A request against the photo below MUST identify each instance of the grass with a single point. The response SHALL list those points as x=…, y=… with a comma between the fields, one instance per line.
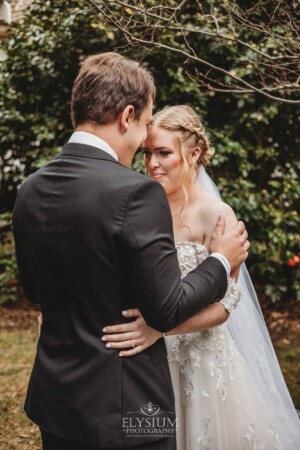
x=18, y=350
x=18, y=337
x=288, y=352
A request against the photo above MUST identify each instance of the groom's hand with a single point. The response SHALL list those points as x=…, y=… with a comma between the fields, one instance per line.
x=233, y=244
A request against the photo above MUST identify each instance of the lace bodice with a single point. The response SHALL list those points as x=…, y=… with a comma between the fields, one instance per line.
x=217, y=403
x=186, y=349
x=190, y=254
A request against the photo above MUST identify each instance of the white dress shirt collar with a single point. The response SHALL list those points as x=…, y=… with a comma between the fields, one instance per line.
x=82, y=137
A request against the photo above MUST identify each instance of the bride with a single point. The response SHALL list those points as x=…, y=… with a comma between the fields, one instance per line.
x=230, y=393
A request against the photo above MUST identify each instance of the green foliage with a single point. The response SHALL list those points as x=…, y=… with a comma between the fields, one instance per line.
x=8, y=265
x=256, y=141
x=256, y=167
x=43, y=56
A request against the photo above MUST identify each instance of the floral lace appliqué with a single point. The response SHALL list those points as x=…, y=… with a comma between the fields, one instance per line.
x=211, y=357
x=204, y=436
x=251, y=438
x=277, y=444
x=187, y=349
x=233, y=295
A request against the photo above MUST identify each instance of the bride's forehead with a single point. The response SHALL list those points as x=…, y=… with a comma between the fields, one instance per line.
x=159, y=137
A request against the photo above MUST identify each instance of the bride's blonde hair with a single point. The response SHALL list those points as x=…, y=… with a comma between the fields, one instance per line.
x=189, y=133
x=183, y=120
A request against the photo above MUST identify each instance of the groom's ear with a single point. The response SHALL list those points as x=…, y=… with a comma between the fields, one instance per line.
x=126, y=117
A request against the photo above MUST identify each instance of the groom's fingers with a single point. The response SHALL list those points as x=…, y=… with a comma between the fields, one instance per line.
x=240, y=228
x=220, y=226
x=244, y=236
x=247, y=245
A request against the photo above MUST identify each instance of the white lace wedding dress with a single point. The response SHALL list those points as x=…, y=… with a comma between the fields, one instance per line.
x=218, y=405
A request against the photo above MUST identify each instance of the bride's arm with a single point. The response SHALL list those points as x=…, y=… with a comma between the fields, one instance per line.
x=138, y=336
x=219, y=312
x=210, y=317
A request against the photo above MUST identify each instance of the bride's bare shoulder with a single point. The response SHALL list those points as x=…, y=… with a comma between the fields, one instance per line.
x=213, y=207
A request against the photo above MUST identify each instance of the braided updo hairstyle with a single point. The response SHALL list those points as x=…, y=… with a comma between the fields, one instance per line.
x=183, y=120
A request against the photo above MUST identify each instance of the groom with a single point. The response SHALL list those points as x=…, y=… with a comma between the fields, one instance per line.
x=94, y=238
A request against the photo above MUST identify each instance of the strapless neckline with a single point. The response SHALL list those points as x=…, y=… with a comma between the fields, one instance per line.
x=192, y=243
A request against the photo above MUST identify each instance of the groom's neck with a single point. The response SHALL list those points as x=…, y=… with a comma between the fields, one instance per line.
x=111, y=134
x=104, y=132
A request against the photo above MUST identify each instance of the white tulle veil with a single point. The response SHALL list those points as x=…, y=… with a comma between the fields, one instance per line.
x=249, y=331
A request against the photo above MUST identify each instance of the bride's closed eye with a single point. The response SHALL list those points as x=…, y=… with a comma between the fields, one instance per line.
x=165, y=153
x=148, y=154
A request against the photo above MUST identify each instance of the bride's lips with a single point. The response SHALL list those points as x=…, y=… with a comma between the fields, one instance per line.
x=156, y=175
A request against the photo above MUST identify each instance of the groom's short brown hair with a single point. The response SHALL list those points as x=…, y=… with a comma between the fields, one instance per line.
x=105, y=85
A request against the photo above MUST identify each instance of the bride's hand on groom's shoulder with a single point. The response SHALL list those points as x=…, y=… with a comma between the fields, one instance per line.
x=135, y=335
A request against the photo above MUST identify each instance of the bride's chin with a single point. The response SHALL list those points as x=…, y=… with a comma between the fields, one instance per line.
x=162, y=184
x=167, y=189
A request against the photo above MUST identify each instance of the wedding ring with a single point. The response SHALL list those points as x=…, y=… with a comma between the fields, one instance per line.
x=132, y=344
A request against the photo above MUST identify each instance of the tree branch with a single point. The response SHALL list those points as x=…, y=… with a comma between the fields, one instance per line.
x=280, y=69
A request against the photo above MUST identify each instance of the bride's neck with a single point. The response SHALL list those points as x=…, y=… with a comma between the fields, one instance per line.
x=177, y=199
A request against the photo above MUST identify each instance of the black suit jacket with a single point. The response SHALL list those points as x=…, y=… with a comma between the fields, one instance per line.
x=94, y=238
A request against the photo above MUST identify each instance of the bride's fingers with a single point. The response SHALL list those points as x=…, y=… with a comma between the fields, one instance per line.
x=119, y=337
x=133, y=351
x=121, y=328
x=124, y=344
x=124, y=327
x=40, y=323
x=131, y=313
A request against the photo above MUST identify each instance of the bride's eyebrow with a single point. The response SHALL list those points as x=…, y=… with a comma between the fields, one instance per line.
x=156, y=149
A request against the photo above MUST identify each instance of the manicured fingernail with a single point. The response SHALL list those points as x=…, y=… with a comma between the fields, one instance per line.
x=104, y=330
x=121, y=354
x=124, y=312
x=108, y=346
x=103, y=338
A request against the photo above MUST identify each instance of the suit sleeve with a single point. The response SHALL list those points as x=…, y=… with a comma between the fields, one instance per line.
x=26, y=276
x=152, y=267
x=28, y=281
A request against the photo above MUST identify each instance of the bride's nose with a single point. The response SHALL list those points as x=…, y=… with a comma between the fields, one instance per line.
x=153, y=163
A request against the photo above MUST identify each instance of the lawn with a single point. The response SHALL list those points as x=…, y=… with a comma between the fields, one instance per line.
x=18, y=338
